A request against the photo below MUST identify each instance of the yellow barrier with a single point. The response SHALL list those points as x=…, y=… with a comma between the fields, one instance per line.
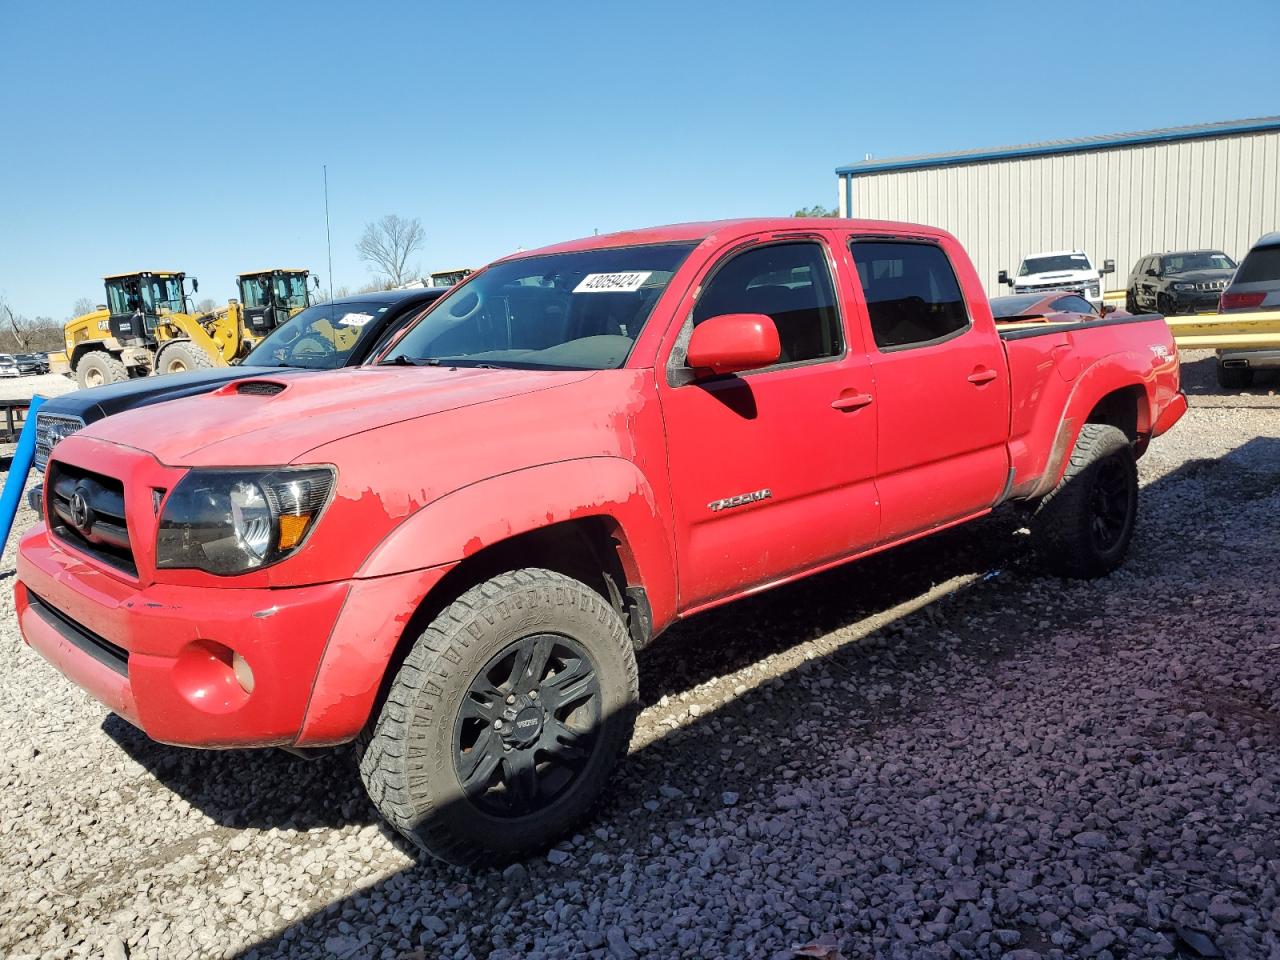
x=1256, y=329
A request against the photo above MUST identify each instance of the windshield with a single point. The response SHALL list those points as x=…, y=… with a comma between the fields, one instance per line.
x=1017, y=306
x=321, y=337
x=1055, y=264
x=1204, y=260
x=148, y=294
x=291, y=290
x=580, y=311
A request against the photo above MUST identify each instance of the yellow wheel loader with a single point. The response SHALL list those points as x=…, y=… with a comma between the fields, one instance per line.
x=147, y=326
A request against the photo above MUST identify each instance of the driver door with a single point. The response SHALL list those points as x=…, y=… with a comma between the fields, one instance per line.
x=772, y=470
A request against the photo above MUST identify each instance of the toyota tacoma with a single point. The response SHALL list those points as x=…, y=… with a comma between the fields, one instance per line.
x=450, y=558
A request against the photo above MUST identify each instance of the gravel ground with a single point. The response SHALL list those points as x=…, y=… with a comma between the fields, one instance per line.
x=45, y=384
x=933, y=753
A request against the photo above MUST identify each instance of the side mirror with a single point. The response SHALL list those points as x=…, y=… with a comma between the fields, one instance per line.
x=1108, y=309
x=1004, y=278
x=1152, y=272
x=195, y=285
x=1108, y=266
x=733, y=342
x=316, y=282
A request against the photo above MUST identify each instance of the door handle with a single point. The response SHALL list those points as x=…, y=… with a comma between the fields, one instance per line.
x=853, y=402
x=979, y=377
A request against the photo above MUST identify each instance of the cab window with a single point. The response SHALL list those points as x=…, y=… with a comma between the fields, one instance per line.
x=913, y=297
x=789, y=282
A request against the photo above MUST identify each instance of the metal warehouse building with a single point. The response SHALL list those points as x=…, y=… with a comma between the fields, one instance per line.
x=1116, y=197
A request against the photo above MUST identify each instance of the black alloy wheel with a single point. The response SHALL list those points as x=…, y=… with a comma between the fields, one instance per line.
x=527, y=727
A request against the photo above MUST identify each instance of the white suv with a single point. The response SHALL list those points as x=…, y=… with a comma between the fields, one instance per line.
x=1059, y=270
x=1255, y=286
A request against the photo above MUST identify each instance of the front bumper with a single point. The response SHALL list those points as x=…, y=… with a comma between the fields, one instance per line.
x=1194, y=301
x=160, y=655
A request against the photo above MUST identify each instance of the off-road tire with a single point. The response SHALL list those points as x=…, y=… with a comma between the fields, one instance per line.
x=100, y=364
x=406, y=754
x=1063, y=524
x=181, y=356
x=1233, y=378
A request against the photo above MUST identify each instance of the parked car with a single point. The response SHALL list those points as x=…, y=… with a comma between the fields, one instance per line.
x=339, y=333
x=1058, y=270
x=31, y=363
x=1173, y=283
x=1255, y=286
x=450, y=556
x=1050, y=308
x=9, y=366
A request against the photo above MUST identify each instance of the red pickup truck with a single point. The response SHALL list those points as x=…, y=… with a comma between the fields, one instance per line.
x=450, y=556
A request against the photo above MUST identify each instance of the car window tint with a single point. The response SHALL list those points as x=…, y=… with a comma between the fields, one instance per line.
x=1261, y=264
x=1073, y=304
x=912, y=294
x=791, y=283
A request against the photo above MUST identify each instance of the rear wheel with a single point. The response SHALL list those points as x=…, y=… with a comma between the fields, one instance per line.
x=502, y=726
x=99, y=367
x=1083, y=527
x=1234, y=378
x=180, y=356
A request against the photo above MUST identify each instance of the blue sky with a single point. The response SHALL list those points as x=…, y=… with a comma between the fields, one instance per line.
x=191, y=136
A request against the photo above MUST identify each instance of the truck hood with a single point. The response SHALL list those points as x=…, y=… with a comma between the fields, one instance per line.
x=230, y=427
x=94, y=403
x=1200, y=276
x=1058, y=276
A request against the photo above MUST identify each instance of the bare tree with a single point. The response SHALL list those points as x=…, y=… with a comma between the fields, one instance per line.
x=20, y=334
x=207, y=305
x=388, y=244
x=82, y=306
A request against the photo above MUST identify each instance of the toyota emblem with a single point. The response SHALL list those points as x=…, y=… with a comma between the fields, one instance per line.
x=79, y=510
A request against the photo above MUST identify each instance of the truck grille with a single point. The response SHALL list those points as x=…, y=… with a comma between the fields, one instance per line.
x=86, y=510
x=1038, y=287
x=50, y=428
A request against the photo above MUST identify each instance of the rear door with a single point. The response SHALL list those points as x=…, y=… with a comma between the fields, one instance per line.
x=942, y=390
x=772, y=470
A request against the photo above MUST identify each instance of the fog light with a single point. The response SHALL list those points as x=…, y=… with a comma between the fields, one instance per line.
x=243, y=674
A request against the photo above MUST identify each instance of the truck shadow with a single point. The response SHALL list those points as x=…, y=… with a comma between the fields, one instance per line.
x=1200, y=379
x=857, y=626
x=323, y=789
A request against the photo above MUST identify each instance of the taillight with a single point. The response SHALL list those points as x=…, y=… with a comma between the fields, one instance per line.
x=1241, y=301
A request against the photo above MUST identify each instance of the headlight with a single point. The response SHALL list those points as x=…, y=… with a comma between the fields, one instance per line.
x=233, y=521
x=1184, y=286
x=1094, y=290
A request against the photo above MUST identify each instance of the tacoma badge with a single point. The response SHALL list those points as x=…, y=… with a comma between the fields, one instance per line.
x=741, y=499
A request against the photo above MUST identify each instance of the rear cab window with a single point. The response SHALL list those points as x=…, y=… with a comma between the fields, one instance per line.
x=913, y=297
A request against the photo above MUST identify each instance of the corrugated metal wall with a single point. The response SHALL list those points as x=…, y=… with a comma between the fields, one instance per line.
x=1119, y=203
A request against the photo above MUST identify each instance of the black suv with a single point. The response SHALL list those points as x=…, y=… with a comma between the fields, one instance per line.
x=1172, y=283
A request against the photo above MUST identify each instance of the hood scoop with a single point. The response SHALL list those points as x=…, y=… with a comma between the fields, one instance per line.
x=258, y=388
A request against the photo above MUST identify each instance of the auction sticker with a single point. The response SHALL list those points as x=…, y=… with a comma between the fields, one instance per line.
x=355, y=319
x=613, y=282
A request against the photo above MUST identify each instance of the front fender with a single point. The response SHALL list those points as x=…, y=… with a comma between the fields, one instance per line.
x=460, y=524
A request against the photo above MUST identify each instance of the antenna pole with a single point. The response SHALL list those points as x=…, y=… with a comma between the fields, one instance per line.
x=327, y=238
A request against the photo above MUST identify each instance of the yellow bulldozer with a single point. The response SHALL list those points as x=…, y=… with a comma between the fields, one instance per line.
x=147, y=325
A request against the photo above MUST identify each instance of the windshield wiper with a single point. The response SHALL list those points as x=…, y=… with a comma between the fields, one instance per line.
x=403, y=361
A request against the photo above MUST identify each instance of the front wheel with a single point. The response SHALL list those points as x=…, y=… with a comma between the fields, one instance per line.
x=501, y=727
x=1083, y=527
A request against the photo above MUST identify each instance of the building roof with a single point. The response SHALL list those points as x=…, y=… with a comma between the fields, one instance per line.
x=1197, y=131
